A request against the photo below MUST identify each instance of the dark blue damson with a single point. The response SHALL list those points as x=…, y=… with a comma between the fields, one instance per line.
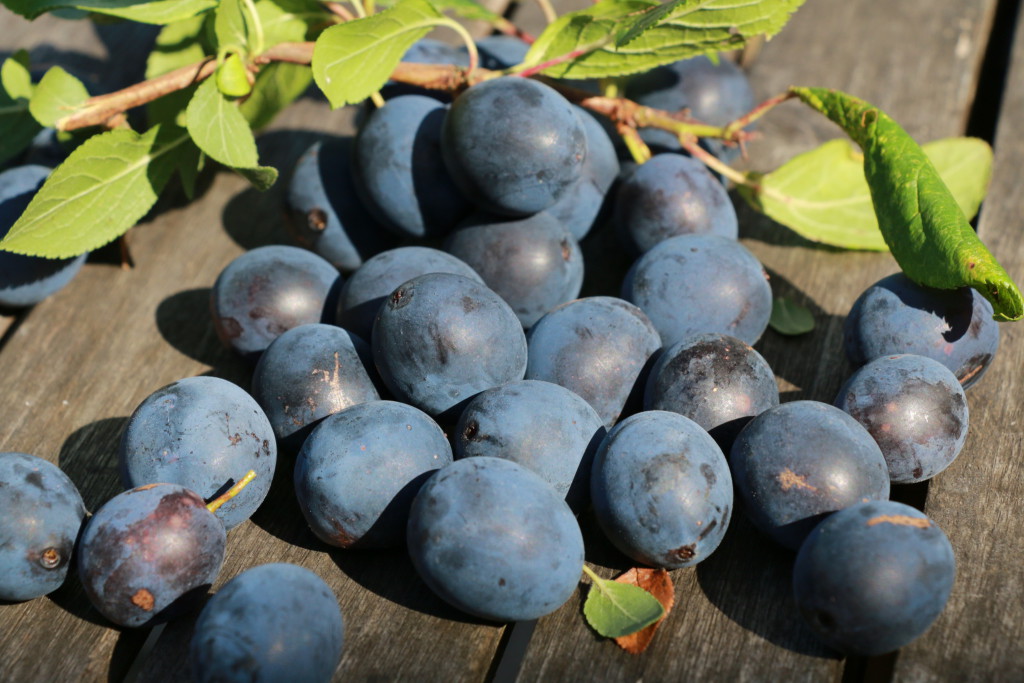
x=41, y=513
x=661, y=490
x=513, y=145
x=495, y=540
x=274, y=622
x=800, y=461
x=873, y=577
x=358, y=471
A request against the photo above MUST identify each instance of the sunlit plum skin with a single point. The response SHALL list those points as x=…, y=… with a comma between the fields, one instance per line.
x=359, y=470
x=266, y=291
x=325, y=213
x=495, y=540
x=542, y=426
x=513, y=145
x=367, y=288
x=896, y=316
x=149, y=554
x=698, y=284
x=915, y=409
x=873, y=577
x=661, y=490
x=597, y=347
x=533, y=263
x=798, y=462
x=715, y=380
x=399, y=171
x=581, y=206
x=203, y=433
x=308, y=373
x=41, y=513
x=274, y=622
x=27, y=280
x=440, y=339
x=672, y=195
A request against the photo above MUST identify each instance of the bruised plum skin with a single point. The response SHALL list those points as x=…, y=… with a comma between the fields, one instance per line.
x=274, y=622
x=952, y=326
x=41, y=513
x=873, y=577
x=597, y=347
x=798, y=462
x=915, y=409
x=495, y=540
x=149, y=554
x=440, y=339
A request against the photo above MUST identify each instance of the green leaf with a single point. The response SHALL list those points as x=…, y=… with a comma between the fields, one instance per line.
x=231, y=25
x=790, y=318
x=468, y=9
x=621, y=37
x=926, y=230
x=616, y=609
x=100, y=191
x=219, y=129
x=823, y=196
x=177, y=45
x=17, y=126
x=15, y=76
x=290, y=21
x=158, y=12
x=233, y=77
x=57, y=95
x=277, y=85
x=351, y=61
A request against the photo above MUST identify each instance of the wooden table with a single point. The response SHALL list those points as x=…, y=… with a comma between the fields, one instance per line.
x=74, y=367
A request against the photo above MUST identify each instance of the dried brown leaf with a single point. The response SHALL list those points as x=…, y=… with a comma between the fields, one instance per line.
x=658, y=583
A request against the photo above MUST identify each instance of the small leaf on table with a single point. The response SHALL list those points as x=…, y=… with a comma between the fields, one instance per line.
x=658, y=583
x=789, y=317
x=618, y=609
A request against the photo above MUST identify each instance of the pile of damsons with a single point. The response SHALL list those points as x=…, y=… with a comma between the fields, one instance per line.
x=464, y=402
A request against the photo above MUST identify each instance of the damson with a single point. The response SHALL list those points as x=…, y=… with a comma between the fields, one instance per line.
x=27, y=280
x=274, y=622
x=308, y=373
x=205, y=434
x=325, y=214
x=513, y=145
x=915, y=409
x=697, y=284
x=265, y=292
x=661, y=490
x=41, y=513
x=440, y=339
x=533, y=263
x=597, y=347
x=895, y=315
x=873, y=577
x=149, y=554
x=399, y=171
x=367, y=288
x=542, y=426
x=796, y=463
x=715, y=380
x=495, y=540
x=358, y=471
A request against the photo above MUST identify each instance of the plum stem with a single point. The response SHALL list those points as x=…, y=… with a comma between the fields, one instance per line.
x=217, y=502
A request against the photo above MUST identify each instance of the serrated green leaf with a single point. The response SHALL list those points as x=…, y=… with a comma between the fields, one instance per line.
x=103, y=188
x=231, y=25
x=177, y=45
x=156, y=12
x=622, y=37
x=790, y=318
x=233, y=77
x=823, y=196
x=617, y=609
x=351, y=61
x=467, y=9
x=277, y=85
x=219, y=129
x=15, y=76
x=290, y=21
x=926, y=230
x=57, y=95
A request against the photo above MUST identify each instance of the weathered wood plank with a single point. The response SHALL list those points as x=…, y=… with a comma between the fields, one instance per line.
x=977, y=501
x=734, y=618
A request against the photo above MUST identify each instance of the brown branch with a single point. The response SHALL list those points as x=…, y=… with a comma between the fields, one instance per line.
x=339, y=10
